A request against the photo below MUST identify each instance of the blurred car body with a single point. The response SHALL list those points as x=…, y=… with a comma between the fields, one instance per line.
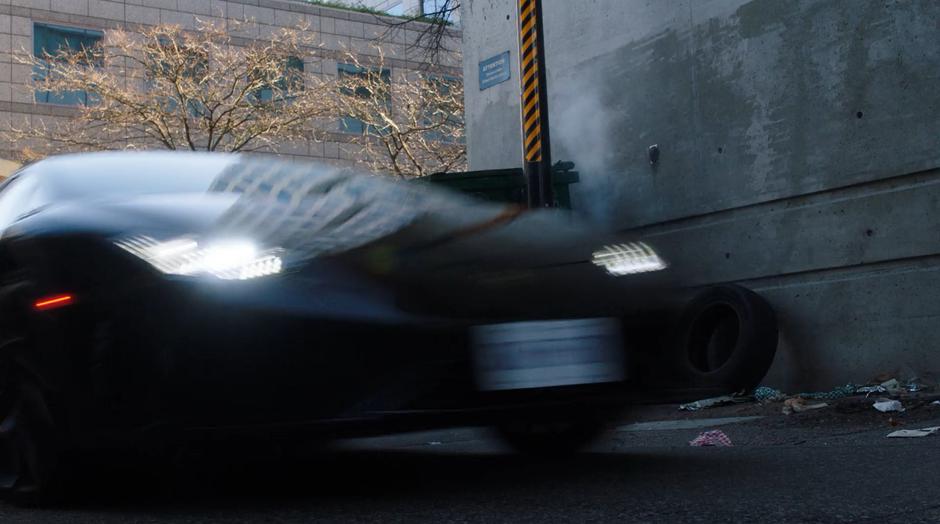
x=169, y=296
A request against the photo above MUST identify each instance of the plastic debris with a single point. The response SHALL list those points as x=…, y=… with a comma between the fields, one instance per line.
x=715, y=437
x=907, y=433
x=768, y=394
x=935, y=403
x=434, y=443
x=868, y=390
x=885, y=406
x=837, y=393
x=915, y=385
x=892, y=386
x=799, y=405
x=711, y=402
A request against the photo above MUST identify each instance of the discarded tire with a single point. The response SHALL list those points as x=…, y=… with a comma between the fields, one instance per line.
x=726, y=338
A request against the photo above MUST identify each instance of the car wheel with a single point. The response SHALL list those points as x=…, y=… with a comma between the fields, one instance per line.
x=31, y=464
x=32, y=469
x=550, y=436
x=726, y=338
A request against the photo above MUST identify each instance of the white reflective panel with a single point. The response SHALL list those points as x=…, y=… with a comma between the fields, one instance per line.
x=522, y=355
x=627, y=259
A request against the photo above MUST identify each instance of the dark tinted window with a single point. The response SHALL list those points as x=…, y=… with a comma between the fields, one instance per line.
x=349, y=124
x=53, y=39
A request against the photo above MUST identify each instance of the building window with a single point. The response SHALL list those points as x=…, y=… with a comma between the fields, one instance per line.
x=290, y=82
x=51, y=40
x=162, y=71
x=350, y=124
x=195, y=61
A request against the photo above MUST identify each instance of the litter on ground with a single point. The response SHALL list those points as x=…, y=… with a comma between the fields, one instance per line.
x=892, y=386
x=768, y=394
x=907, y=433
x=799, y=405
x=711, y=402
x=836, y=393
x=868, y=390
x=715, y=437
x=885, y=406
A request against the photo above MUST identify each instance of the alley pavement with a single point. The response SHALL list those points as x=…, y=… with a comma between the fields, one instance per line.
x=829, y=465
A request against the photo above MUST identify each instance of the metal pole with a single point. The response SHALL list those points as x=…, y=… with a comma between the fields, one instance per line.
x=535, y=138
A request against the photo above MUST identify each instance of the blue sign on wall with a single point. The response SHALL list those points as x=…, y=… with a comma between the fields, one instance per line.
x=494, y=70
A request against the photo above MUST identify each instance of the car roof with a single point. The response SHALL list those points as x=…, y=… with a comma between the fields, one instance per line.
x=132, y=161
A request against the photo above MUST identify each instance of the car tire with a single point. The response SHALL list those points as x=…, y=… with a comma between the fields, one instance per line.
x=35, y=469
x=726, y=338
x=546, y=437
x=32, y=467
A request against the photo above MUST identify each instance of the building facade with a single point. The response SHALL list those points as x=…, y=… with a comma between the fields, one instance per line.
x=31, y=25
x=799, y=154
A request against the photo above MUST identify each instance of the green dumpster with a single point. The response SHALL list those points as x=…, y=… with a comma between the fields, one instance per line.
x=506, y=185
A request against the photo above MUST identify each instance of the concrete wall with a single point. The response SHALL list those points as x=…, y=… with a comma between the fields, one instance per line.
x=336, y=30
x=800, y=155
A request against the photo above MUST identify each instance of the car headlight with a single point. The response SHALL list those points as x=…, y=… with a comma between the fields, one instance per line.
x=229, y=259
x=627, y=259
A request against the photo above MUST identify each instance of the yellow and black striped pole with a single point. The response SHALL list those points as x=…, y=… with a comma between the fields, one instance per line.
x=535, y=139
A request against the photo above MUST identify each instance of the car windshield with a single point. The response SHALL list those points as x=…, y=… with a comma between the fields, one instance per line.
x=108, y=176
x=313, y=208
x=103, y=176
x=319, y=208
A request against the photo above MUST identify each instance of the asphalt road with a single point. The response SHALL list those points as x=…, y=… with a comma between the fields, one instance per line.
x=802, y=468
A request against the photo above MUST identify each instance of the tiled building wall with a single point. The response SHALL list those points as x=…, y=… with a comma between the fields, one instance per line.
x=336, y=30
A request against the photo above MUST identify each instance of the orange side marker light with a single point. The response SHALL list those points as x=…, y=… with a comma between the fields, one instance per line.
x=53, y=302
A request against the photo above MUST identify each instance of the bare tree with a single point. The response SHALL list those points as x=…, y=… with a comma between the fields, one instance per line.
x=411, y=127
x=432, y=23
x=165, y=87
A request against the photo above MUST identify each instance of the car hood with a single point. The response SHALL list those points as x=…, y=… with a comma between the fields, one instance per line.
x=160, y=215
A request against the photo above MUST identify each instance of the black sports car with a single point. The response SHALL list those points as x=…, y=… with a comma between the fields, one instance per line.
x=163, y=297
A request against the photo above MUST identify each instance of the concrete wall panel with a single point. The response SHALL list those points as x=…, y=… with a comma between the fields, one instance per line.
x=494, y=136
x=799, y=142
x=848, y=326
x=872, y=223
